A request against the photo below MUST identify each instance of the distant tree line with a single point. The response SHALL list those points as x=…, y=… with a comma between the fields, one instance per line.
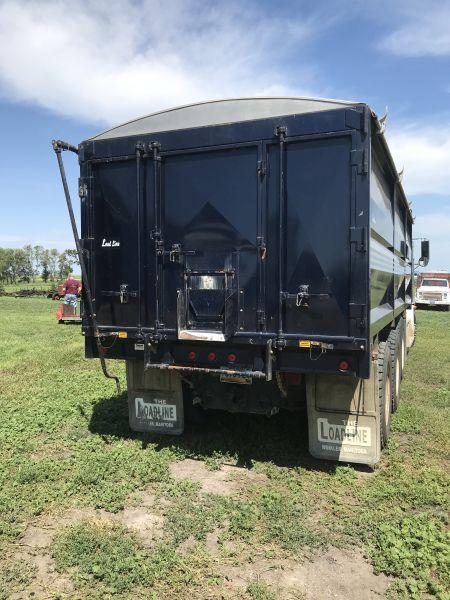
x=25, y=264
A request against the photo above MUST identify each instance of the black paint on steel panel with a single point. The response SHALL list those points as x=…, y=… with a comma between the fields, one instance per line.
x=233, y=133
x=228, y=206
x=211, y=211
x=115, y=221
x=316, y=239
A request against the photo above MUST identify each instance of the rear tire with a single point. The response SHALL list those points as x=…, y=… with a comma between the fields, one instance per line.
x=404, y=351
x=384, y=376
x=396, y=344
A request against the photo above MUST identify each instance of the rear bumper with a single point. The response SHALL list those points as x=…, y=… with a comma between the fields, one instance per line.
x=424, y=302
x=251, y=355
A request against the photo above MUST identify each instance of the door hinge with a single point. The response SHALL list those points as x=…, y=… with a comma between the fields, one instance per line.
x=262, y=247
x=87, y=244
x=155, y=147
x=260, y=316
x=82, y=188
x=358, y=237
x=280, y=131
x=155, y=235
x=359, y=159
x=262, y=169
x=358, y=312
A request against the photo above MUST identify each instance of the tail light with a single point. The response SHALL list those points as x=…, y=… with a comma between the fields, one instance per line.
x=192, y=355
x=232, y=358
x=212, y=356
x=343, y=365
x=292, y=378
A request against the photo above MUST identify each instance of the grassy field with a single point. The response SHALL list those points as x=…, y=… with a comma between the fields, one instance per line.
x=90, y=510
x=37, y=284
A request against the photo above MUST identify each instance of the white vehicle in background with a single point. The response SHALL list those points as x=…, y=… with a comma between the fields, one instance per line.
x=433, y=289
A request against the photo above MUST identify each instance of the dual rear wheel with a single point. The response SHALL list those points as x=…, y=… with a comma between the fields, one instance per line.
x=390, y=365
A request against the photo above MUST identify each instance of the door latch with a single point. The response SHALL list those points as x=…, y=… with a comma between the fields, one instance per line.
x=124, y=293
x=175, y=253
x=303, y=296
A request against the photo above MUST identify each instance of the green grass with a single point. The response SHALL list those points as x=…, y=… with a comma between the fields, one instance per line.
x=65, y=443
x=111, y=557
x=37, y=284
x=258, y=590
x=14, y=576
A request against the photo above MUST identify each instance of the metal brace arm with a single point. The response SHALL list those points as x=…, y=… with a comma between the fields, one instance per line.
x=59, y=146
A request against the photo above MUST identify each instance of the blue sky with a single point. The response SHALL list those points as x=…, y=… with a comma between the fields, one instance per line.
x=68, y=70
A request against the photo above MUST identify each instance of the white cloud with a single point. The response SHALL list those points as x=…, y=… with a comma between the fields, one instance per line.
x=424, y=151
x=108, y=61
x=436, y=223
x=425, y=30
x=6, y=238
x=10, y=241
x=434, y=226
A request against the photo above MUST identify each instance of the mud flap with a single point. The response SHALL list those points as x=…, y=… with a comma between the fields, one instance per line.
x=343, y=418
x=155, y=399
x=410, y=328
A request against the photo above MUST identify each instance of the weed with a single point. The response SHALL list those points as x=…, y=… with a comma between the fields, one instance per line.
x=259, y=590
x=195, y=516
x=111, y=555
x=415, y=549
x=66, y=442
x=14, y=577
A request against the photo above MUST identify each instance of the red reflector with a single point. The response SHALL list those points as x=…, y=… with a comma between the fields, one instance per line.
x=343, y=365
x=192, y=355
x=232, y=358
x=292, y=378
x=212, y=356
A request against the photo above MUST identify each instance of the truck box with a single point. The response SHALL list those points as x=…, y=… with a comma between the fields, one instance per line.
x=242, y=241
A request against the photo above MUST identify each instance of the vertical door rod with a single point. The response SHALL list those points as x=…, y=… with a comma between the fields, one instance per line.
x=281, y=132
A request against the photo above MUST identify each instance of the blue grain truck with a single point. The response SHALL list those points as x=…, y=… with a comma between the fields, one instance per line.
x=250, y=255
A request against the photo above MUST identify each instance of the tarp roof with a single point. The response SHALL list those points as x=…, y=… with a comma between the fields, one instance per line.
x=220, y=112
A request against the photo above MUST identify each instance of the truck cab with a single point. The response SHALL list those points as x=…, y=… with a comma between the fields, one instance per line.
x=434, y=291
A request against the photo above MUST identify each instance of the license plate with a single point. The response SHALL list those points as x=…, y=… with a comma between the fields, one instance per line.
x=155, y=412
x=236, y=379
x=432, y=301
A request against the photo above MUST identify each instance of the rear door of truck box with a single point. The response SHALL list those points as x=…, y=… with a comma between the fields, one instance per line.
x=115, y=229
x=317, y=251
x=178, y=222
x=204, y=258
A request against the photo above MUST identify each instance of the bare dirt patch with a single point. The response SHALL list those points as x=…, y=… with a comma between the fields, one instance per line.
x=47, y=582
x=226, y=481
x=35, y=542
x=335, y=575
x=148, y=526
x=141, y=519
